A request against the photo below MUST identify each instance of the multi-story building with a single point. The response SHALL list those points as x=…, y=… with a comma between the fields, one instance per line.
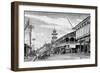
x=83, y=35
x=65, y=43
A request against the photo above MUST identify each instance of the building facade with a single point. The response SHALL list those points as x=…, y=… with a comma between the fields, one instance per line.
x=65, y=44
x=83, y=35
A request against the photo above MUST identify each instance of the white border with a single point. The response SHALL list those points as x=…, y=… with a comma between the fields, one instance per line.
x=23, y=64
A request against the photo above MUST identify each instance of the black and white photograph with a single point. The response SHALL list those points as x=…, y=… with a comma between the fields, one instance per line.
x=53, y=36
x=56, y=36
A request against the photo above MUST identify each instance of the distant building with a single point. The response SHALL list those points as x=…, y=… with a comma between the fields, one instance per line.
x=54, y=36
x=83, y=35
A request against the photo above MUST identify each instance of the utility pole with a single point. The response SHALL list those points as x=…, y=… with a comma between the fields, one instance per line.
x=30, y=27
x=30, y=33
x=25, y=29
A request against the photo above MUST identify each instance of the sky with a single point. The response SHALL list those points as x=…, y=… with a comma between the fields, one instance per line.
x=44, y=22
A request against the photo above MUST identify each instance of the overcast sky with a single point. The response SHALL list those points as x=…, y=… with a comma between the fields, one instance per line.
x=45, y=22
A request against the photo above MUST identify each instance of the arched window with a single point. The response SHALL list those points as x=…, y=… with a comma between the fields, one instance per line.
x=67, y=39
x=72, y=39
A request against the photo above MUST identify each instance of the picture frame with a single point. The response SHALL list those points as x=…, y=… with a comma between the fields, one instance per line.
x=76, y=48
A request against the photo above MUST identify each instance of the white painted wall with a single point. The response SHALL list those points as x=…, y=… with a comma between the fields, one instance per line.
x=5, y=37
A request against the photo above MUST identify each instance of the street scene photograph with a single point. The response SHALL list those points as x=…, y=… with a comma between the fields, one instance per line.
x=52, y=36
